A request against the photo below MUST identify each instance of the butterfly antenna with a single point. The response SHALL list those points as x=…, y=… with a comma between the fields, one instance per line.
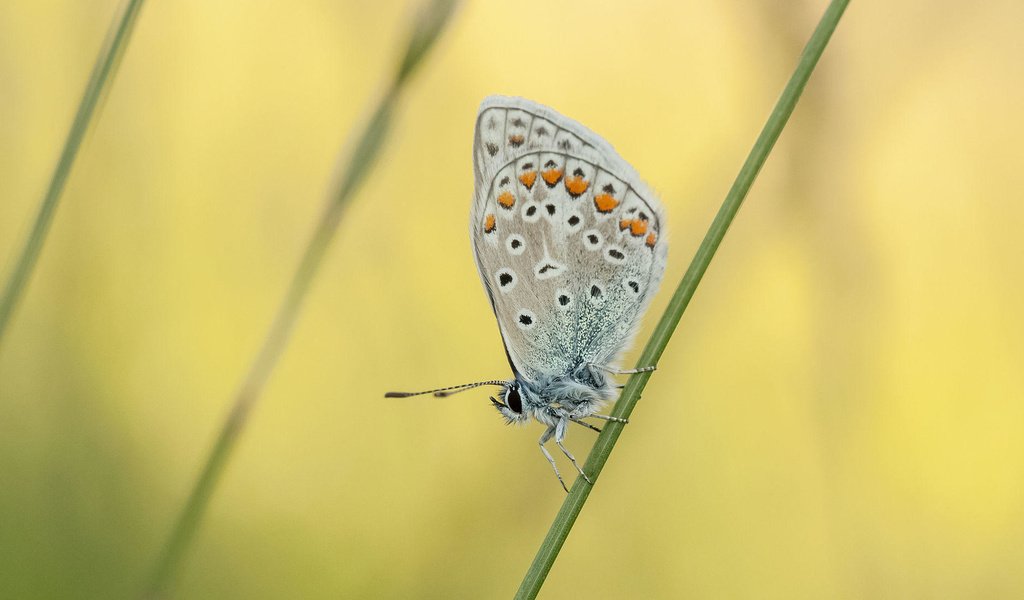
x=446, y=391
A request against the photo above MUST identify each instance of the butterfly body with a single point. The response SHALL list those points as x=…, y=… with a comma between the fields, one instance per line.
x=570, y=396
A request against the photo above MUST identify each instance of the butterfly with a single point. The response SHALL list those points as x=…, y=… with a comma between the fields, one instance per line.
x=570, y=246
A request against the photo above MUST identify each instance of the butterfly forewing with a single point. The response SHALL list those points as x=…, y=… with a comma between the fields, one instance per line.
x=566, y=237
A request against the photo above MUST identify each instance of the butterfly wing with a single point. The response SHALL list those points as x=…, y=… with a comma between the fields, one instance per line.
x=568, y=240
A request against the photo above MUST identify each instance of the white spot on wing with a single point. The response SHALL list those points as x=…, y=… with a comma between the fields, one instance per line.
x=531, y=212
x=547, y=267
x=592, y=239
x=552, y=212
x=563, y=299
x=506, y=280
x=526, y=320
x=615, y=255
x=515, y=244
x=573, y=221
x=632, y=287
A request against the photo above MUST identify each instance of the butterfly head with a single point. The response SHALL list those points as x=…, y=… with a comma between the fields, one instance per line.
x=514, y=403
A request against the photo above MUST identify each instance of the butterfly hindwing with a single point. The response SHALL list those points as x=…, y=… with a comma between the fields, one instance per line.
x=566, y=237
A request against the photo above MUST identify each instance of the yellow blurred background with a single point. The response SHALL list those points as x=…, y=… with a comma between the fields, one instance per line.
x=839, y=415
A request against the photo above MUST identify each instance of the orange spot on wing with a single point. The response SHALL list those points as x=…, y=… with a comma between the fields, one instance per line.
x=506, y=200
x=516, y=140
x=528, y=178
x=489, y=224
x=637, y=227
x=605, y=203
x=576, y=186
x=551, y=176
x=651, y=238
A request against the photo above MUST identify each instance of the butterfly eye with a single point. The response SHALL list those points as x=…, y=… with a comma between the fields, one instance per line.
x=514, y=401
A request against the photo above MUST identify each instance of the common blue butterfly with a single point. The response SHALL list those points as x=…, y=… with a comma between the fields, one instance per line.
x=570, y=245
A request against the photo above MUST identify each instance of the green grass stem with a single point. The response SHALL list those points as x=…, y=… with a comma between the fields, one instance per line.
x=429, y=25
x=570, y=510
x=103, y=73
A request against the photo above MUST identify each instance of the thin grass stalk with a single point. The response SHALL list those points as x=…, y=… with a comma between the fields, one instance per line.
x=574, y=502
x=430, y=24
x=102, y=76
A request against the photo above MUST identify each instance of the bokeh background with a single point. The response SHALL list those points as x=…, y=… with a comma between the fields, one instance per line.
x=839, y=415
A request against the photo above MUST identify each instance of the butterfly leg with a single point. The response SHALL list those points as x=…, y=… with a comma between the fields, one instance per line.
x=559, y=437
x=611, y=418
x=543, y=440
x=585, y=424
x=627, y=371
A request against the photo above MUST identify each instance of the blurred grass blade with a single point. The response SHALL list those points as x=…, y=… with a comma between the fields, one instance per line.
x=566, y=517
x=427, y=28
x=99, y=82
